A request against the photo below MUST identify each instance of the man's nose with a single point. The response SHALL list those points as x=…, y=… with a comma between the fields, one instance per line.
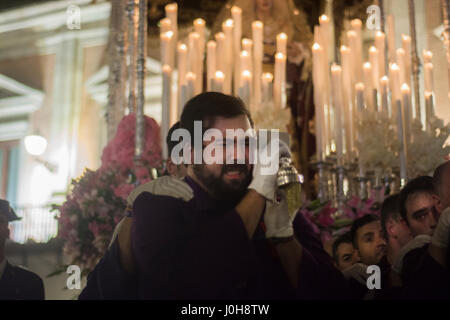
x=432, y=219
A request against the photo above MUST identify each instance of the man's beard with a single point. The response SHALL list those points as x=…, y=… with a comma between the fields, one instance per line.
x=234, y=190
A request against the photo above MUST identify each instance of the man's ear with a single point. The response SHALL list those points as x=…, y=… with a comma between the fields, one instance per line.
x=390, y=228
x=171, y=167
x=437, y=203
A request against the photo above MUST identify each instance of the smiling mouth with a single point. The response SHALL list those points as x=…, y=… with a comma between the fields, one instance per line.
x=234, y=174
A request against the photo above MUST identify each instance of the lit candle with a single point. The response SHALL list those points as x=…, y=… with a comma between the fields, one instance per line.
x=165, y=25
x=166, y=106
x=199, y=27
x=282, y=43
x=394, y=72
x=429, y=110
x=359, y=92
x=220, y=49
x=406, y=45
x=347, y=85
x=227, y=28
x=190, y=83
x=356, y=26
x=172, y=14
x=407, y=111
x=245, y=61
x=219, y=79
x=429, y=85
x=279, y=80
x=165, y=41
x=427, y=56
x=401, y=64
x=236, y=15
x=368, y=84
x=245, y=88
x=380, y=39
x=182, y=69
x=210, y=63
x=401, y=138
x=258, y=53
x=267, y=87
x=247, y=45
x=324, y=22
x=391, y=38
x=373, y=59
x=318, y=102
x=336, y=77
x=194, y=61
x=384, y=83
x=356, y=60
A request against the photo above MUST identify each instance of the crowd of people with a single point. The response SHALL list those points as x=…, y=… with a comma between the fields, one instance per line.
x=225, y=231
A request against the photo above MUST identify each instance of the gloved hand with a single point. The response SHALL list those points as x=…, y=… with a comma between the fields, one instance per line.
x=358, y=271
x=417, y=242
x=265, y=178
x=441, y=233
x=277, y=219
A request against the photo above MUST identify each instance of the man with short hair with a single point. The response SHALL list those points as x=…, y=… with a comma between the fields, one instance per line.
x=16, y=283
x=441, y=183
x=394, y=227
x=172, y=169
x=232, y=239
x=343, y=252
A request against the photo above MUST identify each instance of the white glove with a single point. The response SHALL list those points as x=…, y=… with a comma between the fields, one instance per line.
x=441, y=233
x=163, y=186
x=277, y=219
x=358, y=271
x=417, y=242
x=264, y=178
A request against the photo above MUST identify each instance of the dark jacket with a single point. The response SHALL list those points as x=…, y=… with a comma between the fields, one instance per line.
x=20, y=284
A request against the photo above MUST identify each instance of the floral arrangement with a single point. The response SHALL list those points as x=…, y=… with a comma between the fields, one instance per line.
x=426, y=150
x=97, y=200
x=328, y=221
x=268, y=117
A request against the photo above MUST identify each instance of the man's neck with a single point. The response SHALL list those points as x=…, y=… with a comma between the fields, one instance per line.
x=191, y=174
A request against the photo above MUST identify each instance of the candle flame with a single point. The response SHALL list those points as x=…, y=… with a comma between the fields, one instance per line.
x=345, y=49
x=229, y=22
x=166, y=22
x=220, y=36
x=283, y=36
x=394, y=67
x=405, y=37
x=367, y=65
x=257, y=24
x=427, y=53
x=373, y=49
x=279, y=55
x=336, y=68
x=359, y=86
x=316, y=46
x=199, y=22
x=190, y=76
x=182, y=47
x=211, y=44
x=171, y=7
x=401, y=51
x=166, y=68
x=236, y=10
x=323, y=18
x=244, y=53
x=246, y=41
x=384, y=80
x=246, y=74
x=219, y=74
x=356, y=23
x=351, y=34
x=267, y=76
x=379, y=34
x=405, y=88
x=428, y=94
x=167, y=35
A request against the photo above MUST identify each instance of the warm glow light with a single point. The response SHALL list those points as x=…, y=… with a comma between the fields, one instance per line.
x=394, y=67
x=219, y=75
x=244, y=53
x=236, y=10
x=373, y=49
x=35, y=144
x=323, y=18
x=229, y=22
x=367, y=65
x=246, y=74
x=279, y=55
x=199, y=22
x=351, y=34
x=379, y=34
x=316, y=46
x=283, y=36
x=384, y=80
x=182, y=47
x=268, y=76
x=405, y=88
x=345, y=49
x=359, y=86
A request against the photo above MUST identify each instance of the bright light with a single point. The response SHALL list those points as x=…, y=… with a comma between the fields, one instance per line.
x=35, y=145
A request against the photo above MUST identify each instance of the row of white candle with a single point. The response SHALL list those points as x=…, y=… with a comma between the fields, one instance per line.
x=358, y=86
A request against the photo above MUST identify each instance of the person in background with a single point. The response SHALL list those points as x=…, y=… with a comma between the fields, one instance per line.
x=343, y=252
x=16, y=283
x=394, y=227
x=172, y=169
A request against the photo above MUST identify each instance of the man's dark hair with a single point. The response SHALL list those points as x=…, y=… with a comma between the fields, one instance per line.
x=438, y=175
x=359, y=223
x=207, y=106
x=171, y=144
x=420, y=184
x=345, y=238
x=390, y=209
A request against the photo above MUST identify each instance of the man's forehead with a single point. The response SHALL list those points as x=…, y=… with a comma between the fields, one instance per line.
x=373, y=226
x=345, y=246
x=418, y=199
x=238, y=122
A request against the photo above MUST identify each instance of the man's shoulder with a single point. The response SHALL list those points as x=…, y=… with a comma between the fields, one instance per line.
x=23, y=273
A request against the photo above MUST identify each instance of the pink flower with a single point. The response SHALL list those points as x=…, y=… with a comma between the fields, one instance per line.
x=94, y=228
x=123, y=190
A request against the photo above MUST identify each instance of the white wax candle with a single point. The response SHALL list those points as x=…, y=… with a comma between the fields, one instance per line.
x=324, y=22
x=401, y=64
x=282, y=43
x=199, y=27
x=190, y=83
x=347, y=85
x=359, y=93
x=394, y=72
x=368, y=85
x=406, y=45
x=401, y=138
x=317, y=35
x=356, y=26
x=165, y=25
x=258, y=53
x=279, y=80
x=384, y=83
x=245, y=88
x=356, y=60
x=227, y=28
x=245, y=61
x=172, y=13
x=407, y=110
x=427, y=56
x=391, y=38
x=336, y=76
x=166, y=106
x=218, y=81
x=182, y=70
x=318, y=102
x=267, y=87
x=220, y=49
x=210, y=63
x=429, y=110
x=380, y=39
x=194, y=61
x=428, y=74
x=236, y=15
x=247, y=45
x=373, y=59
x=165, y=42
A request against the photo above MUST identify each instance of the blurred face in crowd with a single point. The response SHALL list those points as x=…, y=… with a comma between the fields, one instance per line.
x=370, y=242
x=345, y=256
x=179, y=171
x=226, y=181
x=421, y=213
x=443, y=200
x=399, y=231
